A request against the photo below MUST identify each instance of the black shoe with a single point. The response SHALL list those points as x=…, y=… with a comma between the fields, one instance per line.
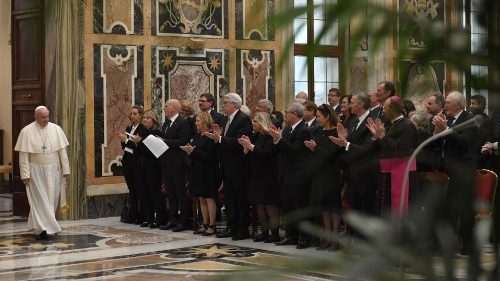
x=240, y=236
x=42, y=236
x=211, y=230
x=137, y=221
x=303, y=244
x=260, y=237
x=201, y=230
x=168, y=226
x=286, y=241
x=153, y=225
x=145, y=224
x=226, y=234
x=181, y=227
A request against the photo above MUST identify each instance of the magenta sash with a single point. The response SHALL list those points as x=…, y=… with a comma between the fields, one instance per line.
x=396, y=167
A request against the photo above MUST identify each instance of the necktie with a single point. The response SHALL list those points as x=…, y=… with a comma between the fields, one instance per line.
x=227, y=126
x=450, y=122
x=168, y=122
x=355, y=125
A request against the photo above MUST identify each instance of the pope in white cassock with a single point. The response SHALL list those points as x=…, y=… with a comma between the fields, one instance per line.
x=44, y=169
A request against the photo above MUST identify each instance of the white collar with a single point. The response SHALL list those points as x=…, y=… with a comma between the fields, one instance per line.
x=458, y=115
x=397, y=119
x=309, y=123
x=230, y=117
x=377, y=106
x=363, y=117
x=174, y=117
x=295, y=125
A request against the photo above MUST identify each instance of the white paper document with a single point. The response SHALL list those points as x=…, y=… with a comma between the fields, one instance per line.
x=155, y=145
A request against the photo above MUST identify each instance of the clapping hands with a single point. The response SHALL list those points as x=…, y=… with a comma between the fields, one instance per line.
x=275, y=133
x=188, y=148
x=342, y=136
x=215, y=134
x=246, y=143
x=440, y=123
x=376, y=127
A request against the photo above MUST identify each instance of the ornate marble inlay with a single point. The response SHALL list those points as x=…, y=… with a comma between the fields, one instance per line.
x=200, y=18
x=185, y=74
x=422, y=11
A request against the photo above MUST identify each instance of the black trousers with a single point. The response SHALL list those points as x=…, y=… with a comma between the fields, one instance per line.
x=236, y=202
x=152, y=201
x=178, y=200
x=296, y=199
x=131, y=173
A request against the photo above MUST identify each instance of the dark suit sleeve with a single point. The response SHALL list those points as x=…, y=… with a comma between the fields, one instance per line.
x=184, y=135
x=245, y=128
x=404, y=138
x=462, y=139
x=298, y=143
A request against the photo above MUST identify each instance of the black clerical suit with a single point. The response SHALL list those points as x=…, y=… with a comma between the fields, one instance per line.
x=130, y=164
x=234, y=173
x=175, y=134
x=295, y=172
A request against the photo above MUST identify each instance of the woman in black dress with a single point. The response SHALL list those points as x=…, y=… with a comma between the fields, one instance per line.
x=153, y=204
x=203, y=173
x=326, y=188
x=263, y=184
x=346, y=117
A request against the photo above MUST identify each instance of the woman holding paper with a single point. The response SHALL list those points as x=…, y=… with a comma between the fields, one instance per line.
x=203, y=174
x=153, y=204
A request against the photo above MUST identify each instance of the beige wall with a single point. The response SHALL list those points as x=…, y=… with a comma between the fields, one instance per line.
x=5, y=80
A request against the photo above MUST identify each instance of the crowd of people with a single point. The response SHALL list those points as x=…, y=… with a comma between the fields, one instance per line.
x=309, y=163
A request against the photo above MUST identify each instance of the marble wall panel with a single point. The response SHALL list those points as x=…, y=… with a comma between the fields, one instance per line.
x=430, y=10
x=359, y=75
x=252, y=19
x=183, y=73
x=255, y=76
x=118, y=85
x=118, y=16
x=105, y=205
x=190, y=18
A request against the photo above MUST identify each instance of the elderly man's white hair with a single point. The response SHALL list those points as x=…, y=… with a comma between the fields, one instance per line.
x=234, y=98
x=40, y=108
x=457, y=97
x=296, y=107
x=266, y=103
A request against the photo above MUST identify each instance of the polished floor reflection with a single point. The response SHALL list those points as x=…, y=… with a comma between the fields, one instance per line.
x=105, y=249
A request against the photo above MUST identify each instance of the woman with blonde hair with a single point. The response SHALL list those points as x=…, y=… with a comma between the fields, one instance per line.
x=202, y=152
x=263, y=186
x=150, y=174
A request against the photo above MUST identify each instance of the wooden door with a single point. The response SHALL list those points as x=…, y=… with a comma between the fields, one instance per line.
x=28, y=89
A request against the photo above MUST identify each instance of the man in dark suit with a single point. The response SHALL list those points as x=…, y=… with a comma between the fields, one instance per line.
x=176, y=132
x=310, y=110
x=295, y=171
x=206, y=103
x=459, y=163
x=129, y=164
x=334, y=98
x=235, y=125
x=385, y=90
x=361, y=165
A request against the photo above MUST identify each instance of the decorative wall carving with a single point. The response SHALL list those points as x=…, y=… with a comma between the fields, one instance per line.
x=118, y=86
x=118, y=16
x=185, y=74
x=422, y=81
x=421, y=11
x=255, y=78
x=190, y=18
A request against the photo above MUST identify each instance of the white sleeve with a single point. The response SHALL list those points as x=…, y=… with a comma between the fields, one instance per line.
x=63, y=157
x=24, y=165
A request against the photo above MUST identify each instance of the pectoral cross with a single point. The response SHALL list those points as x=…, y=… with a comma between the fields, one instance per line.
x=43, y=148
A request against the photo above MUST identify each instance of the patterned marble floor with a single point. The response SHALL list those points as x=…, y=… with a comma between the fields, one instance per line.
x=105, y=249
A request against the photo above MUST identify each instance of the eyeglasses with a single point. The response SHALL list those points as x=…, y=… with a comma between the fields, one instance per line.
x=202, y=101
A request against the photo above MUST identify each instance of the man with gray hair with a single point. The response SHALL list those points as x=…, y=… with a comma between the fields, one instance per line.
x=265, y=105
x=295, y=170
x=43, y=164
x=458, y=161
x=235, y=125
